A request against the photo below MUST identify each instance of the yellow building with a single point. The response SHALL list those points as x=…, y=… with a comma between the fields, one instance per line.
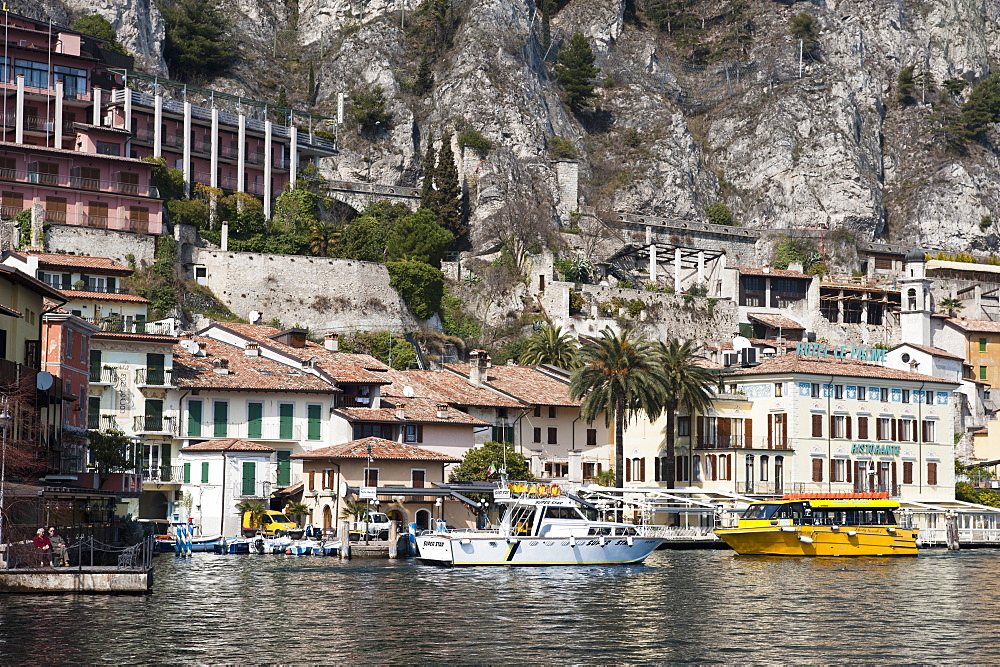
x=980, y=342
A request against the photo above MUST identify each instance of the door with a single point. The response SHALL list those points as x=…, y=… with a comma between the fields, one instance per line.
x=327, y=517
x=154, y=415
x=779, y=474
x=423, y=520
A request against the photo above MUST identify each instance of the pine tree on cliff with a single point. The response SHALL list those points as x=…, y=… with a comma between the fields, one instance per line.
x=441, y=190
x=575, y=72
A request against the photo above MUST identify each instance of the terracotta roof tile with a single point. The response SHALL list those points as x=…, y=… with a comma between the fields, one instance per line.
x=4, y=310
x=934, y=351
x=761, y=271
x=97, y=264
x=776, y=321
x=416, y=410
x=525, y=383
x=446, y=388
x=974, y=326
x=793, y=363
x=228, y=445
x=341, y=366
x=102, y=296
x=382, y=450
x=170, y=340
x=245, y=373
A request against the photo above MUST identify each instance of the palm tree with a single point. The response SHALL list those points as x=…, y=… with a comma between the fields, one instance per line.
x=550, y=345
x=355, y=509
x=952, y=305
x=621, y=377
x=257, y=511
x=297, y=510
x=686, y=385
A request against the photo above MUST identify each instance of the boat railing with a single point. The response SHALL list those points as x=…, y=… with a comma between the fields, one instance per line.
x=677, y=533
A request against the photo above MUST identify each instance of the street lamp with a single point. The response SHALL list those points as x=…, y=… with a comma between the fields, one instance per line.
x=5, y=421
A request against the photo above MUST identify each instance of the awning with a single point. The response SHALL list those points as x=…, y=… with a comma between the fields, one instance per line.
x=288, y=490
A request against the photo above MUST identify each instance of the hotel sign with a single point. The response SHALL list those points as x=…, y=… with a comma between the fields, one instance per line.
x=851, y=352
x=884, y=450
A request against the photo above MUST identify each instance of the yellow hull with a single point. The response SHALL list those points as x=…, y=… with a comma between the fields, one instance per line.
x=820, y=541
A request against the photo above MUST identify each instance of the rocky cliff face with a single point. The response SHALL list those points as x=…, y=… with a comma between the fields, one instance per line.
x=716, y=109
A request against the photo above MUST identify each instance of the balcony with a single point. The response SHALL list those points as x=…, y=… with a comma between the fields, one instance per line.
x=154, y=377
x=109, y=423
x=129, y=325
x=105, y=375
x=173, y=474
x=78, y=182
x=154, y=425
x=741, y=442
x=761, y=488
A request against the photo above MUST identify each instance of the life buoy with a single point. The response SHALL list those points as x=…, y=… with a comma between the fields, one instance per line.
x=555, y=490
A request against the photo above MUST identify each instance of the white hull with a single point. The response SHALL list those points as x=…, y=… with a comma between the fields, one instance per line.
x=469, y=549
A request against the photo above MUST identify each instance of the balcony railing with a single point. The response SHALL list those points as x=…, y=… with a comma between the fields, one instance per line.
x=163, y=474
x=78, y=182
x=109, y=423
x=149, y=424
x=93, y=420
x=761, y=488
x=741, y=442
x=128, y=325
x=154, y=377
x=104, y=375
x=267, y=430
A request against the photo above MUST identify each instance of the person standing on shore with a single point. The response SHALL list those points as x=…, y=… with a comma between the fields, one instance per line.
x=58, y=547
x=43, y=548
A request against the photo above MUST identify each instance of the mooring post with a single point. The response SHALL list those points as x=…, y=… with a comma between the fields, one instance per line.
x=345, y=539
x=393, y=539
x=951, y=532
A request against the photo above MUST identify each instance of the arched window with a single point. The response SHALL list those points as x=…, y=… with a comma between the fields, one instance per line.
x=696, y=468
x=423, y=519
x=911, y=299
x=327, y=517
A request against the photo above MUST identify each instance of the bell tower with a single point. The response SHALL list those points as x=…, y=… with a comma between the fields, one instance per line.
x=917, y=304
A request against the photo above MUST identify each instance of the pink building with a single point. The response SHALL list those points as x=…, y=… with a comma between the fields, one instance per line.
x=56, y=148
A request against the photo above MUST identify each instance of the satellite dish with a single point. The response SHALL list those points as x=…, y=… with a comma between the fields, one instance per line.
x=253, y=317
x=408, y=391
x=43, y=381
x=741, y=343
x=343, y=488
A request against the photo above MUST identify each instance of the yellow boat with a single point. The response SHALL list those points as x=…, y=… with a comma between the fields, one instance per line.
x=847, y=524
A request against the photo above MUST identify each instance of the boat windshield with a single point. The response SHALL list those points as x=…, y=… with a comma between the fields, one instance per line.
x=879, y=516
x=563, y=513
x=760, y=511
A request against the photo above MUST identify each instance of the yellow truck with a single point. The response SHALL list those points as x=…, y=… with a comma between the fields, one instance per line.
x=272, y=523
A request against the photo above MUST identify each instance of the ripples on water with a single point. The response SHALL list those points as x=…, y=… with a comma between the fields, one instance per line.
x=685, y=606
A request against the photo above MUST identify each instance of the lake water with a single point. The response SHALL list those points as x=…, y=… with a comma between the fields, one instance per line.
x=680, y=606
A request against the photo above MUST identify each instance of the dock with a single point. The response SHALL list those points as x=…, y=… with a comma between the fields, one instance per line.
x=88, y=580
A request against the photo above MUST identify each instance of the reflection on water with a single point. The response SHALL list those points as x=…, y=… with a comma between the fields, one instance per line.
x=699, y=606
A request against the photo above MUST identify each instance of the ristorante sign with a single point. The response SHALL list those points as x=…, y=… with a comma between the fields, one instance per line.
x=878, y=450
x=851, y=352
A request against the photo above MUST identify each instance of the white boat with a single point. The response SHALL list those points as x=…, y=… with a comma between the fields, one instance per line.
x=540, y=526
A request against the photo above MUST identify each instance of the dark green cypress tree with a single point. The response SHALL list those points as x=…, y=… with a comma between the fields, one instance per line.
x=575, y=71
x=448, y=190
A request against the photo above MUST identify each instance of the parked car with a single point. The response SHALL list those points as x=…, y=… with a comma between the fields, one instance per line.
x=376, y=526
x=273, y=523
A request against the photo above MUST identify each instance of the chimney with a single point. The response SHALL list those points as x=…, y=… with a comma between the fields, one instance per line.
x=201, y=350
x=766, y=268
x=331, y=341
x=442, y=411
x=252, y=349
x=221, y=366
x=479, y=361
x=400, y=411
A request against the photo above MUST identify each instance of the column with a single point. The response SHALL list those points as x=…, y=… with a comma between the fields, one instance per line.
x=864, y=307
x=293, y=155
x=128, y=108
x=59, y=115
x=767, y=291
x=241, y=156
x=187, y=148
x=840, y=307
x=158, y=126
x=677, y=270
x=97, y=106
x=214, y=176
x=268, y=147
x=701, y=268
x=649, y=234
x=652, y=260
x=19, y=111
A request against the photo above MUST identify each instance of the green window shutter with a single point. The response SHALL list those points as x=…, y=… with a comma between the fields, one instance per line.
x=249, y=478
x=93, y=412
x=154, y=369
x=982, y=372
x=95, y=365
x=255, y=416
x=67, y=281
x=154, y=414
x=194, y=419
x=204, y=472
x=285, y=413
x=315, y=422
x=187, y=473
x=221, y=418
x=284, y=468
x=112, y=285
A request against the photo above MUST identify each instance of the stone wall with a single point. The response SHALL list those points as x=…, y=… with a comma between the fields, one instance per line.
x=316, y=292
x=117, y=245
x=665, y=316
